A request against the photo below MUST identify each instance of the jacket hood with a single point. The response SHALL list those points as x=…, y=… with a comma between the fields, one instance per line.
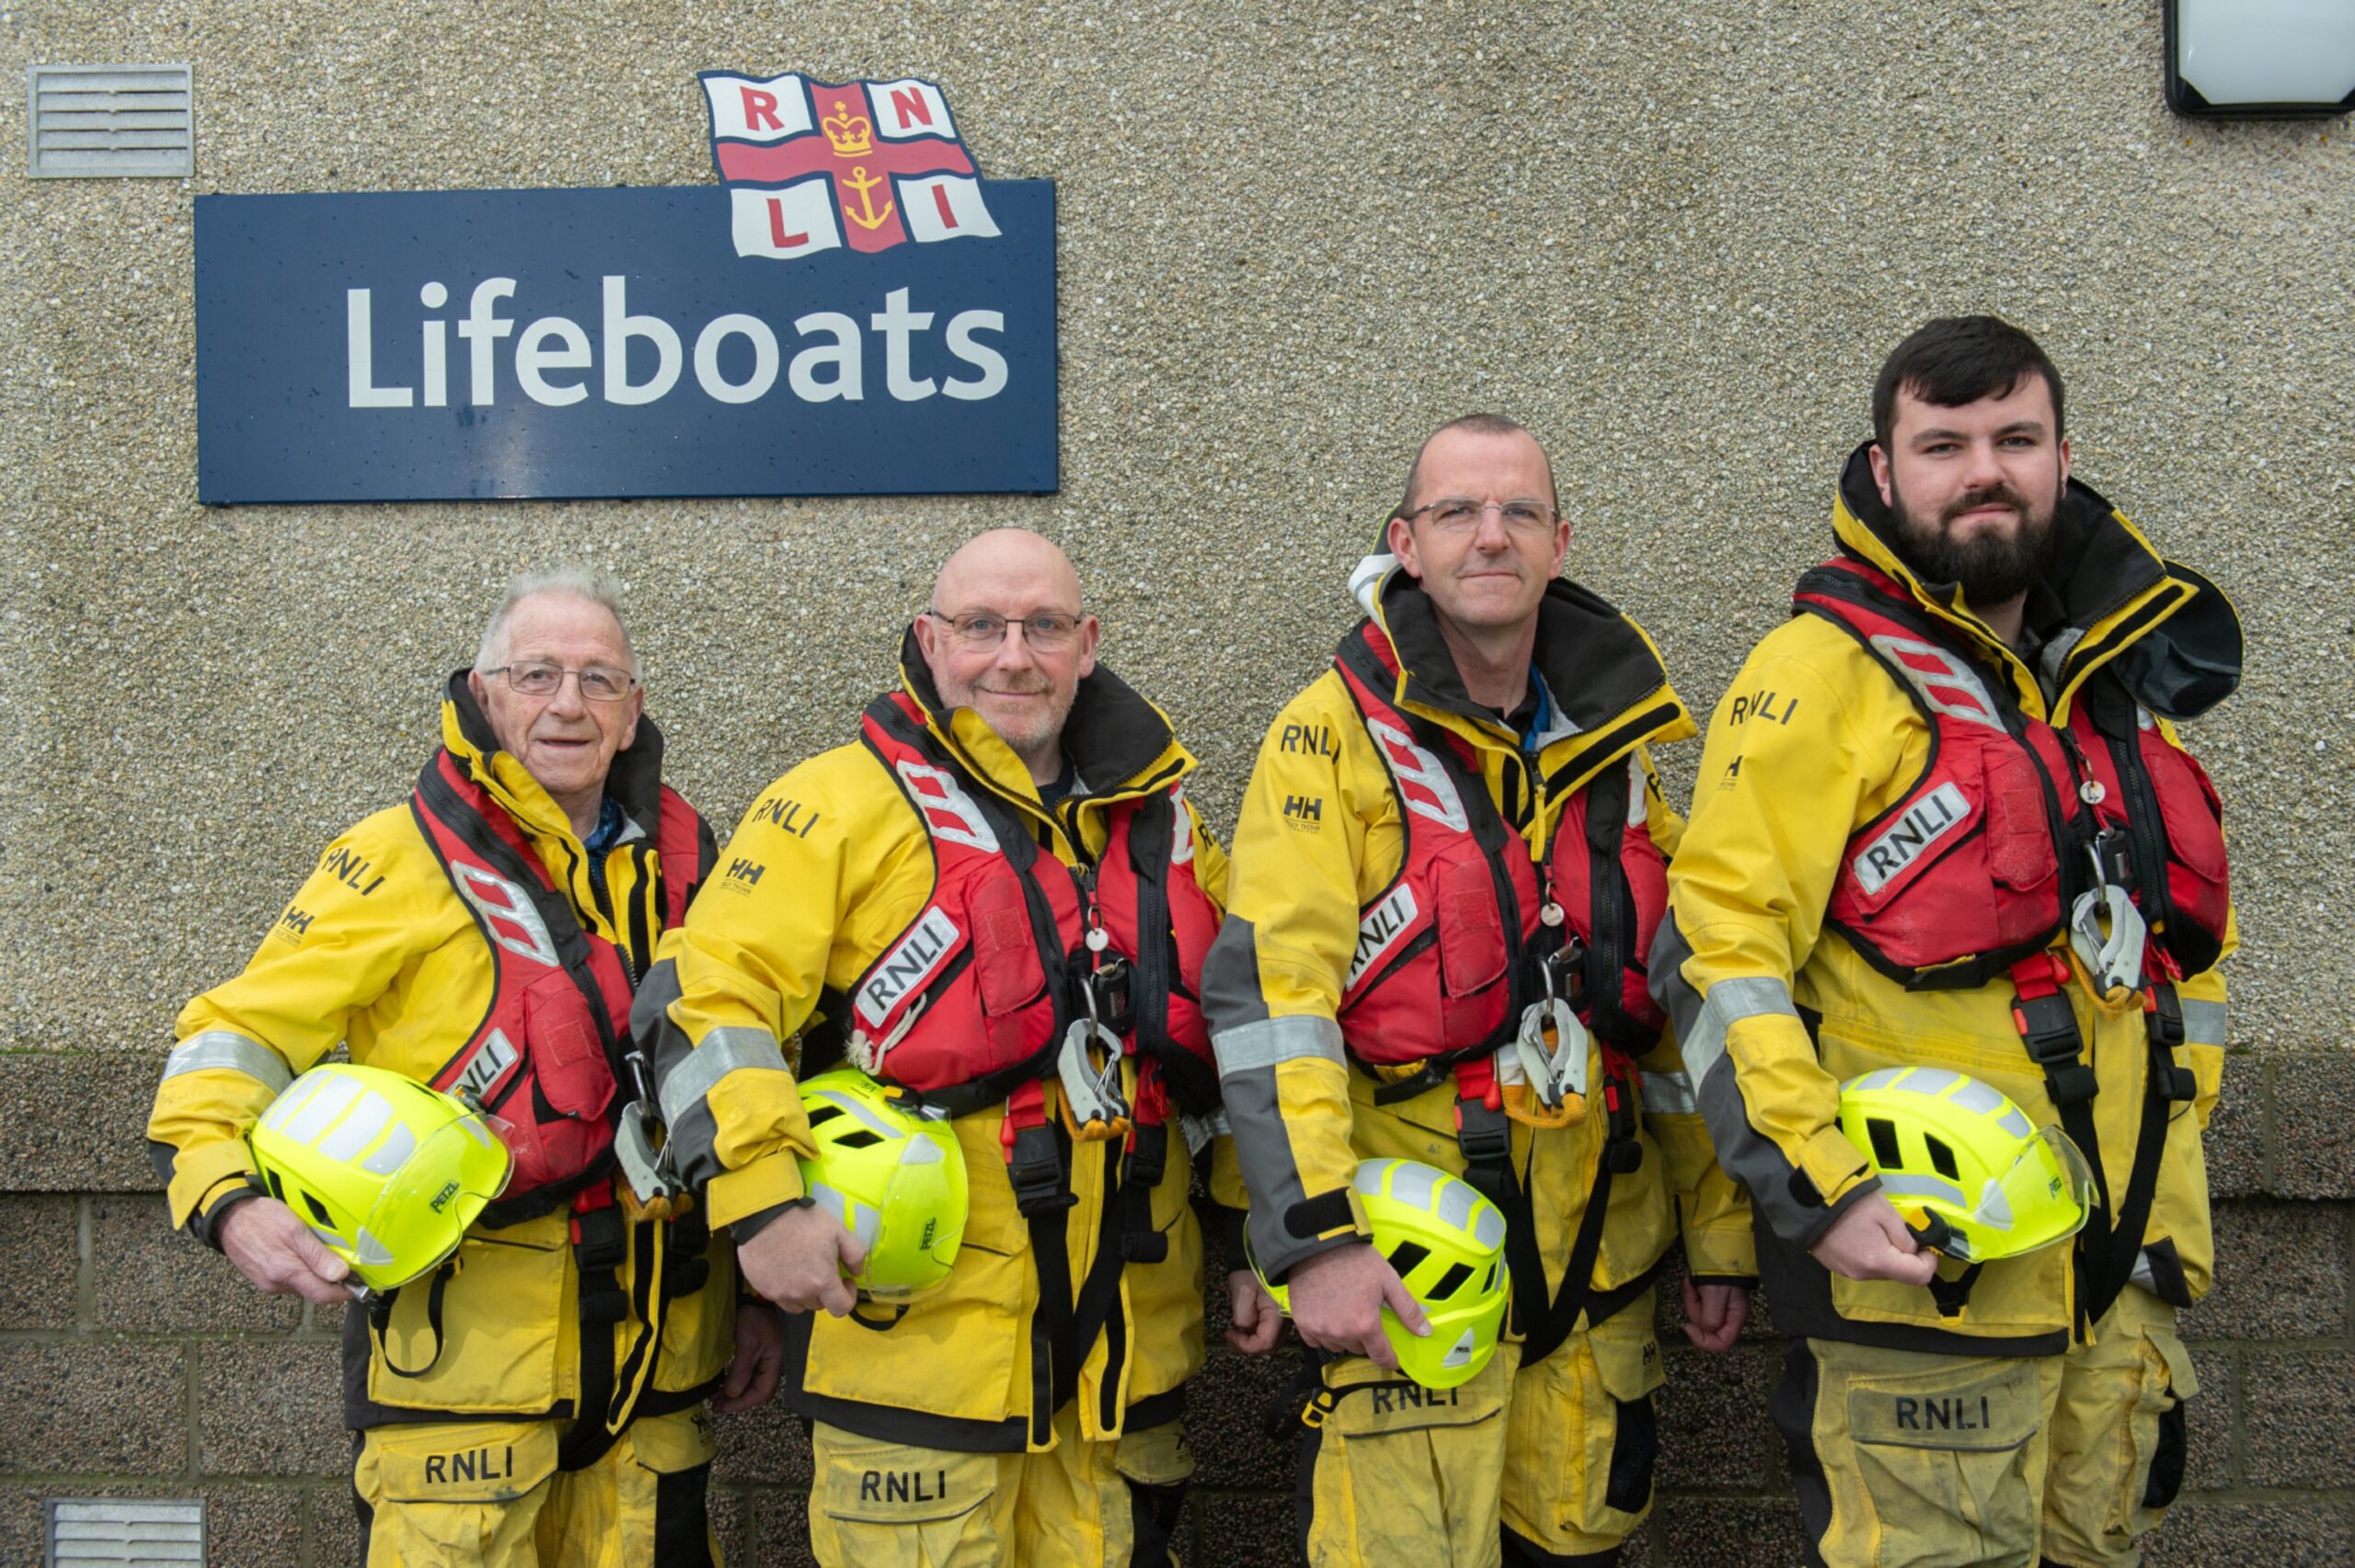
x=635, y=781
x=2109, y=596
x=1118, y=743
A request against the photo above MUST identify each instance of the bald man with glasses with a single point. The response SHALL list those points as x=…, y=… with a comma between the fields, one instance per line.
x=996, y=902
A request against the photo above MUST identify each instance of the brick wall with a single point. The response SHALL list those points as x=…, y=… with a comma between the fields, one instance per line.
x=134, y=1363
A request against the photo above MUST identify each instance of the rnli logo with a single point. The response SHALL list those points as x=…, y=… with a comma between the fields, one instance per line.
x=1933, y=817
x=1380, y=928
x=904, y=970
x=865, y=165
x=487, y=1068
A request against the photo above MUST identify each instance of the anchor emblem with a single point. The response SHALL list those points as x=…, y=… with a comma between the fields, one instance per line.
x=858, y=179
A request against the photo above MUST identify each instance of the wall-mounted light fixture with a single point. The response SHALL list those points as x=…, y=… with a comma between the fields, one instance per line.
x=2250, y=58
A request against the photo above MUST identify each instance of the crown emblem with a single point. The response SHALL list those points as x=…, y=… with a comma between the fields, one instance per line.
x=852, y=134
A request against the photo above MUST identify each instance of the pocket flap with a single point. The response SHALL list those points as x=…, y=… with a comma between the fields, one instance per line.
x=1976, y=1406
x=1629, y=1368
x=906, y=1486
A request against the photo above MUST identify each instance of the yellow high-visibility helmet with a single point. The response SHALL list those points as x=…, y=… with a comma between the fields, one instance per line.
x=895, y=1179
x=1947, y=1145
x=1447, y=1243
x=385, y=1171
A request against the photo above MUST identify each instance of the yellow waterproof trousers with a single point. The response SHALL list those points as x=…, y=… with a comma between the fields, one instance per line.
x=1545, y=1465
x=1078, y=1504
x=1908, y=1460
x=488, y=1494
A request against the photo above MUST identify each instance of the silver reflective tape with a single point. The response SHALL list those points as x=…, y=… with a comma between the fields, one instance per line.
x=1410, y=1181
x=1489, y=1228
x=1928, y=1081
x=393, y=1153
x=358, y=1127
x=2143, y=1274
x=317, y=1111
x=849, y=1105
x=1727, y=1003
x=1901, y=1185
x=2014, y=1122
x=723, y=1051
x=1671, y=1095
x=1457, y=1202
x=2204, y=1023
x=217, y=1051
x=1248, y=1048
x=1977, y=1097
x=1880, y=1078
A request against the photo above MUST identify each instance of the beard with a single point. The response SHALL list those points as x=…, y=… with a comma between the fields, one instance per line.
x=1043, y=728
x=1989, y=567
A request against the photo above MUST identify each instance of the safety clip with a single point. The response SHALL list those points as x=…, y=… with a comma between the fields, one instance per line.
x=1092, y=1103
x=2113, y=961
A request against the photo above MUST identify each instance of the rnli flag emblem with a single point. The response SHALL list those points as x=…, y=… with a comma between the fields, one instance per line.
x=864, y=165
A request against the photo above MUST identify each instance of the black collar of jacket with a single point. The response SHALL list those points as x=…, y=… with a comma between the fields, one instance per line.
x=636, y=780
x=1594, y=661
x=2097, y=565
x=1113, y=736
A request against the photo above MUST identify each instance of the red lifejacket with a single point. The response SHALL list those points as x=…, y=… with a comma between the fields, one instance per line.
x=1975, y=868
x=972, y=998
x=1446, y=954
x=544, y=1056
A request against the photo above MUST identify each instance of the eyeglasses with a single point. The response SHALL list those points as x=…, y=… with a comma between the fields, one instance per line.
x=981, y=632
x=1459, y=514
x=598, y=683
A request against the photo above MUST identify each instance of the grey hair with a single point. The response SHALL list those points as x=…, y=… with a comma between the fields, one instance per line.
x=573, y=582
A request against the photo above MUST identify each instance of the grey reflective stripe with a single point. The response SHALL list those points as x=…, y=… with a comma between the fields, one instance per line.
x=1249, y=1047
x=2143, y=1274
x=218, y=1050
x=1671, y=1095
x=1727, y=1003
x=2204, y=1023
x=723, y=1051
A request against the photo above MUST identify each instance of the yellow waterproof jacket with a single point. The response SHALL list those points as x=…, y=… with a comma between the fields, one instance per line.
x=1303, y=1115
x=377, y=951
x=1777, y=1008
x=825, y=873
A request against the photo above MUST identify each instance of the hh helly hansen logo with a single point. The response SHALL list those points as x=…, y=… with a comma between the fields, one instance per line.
x=907, y=967
x=1932, y=817
x=748, y=872
x=1381, y=927
x=867, y=164
x=487, y=1068
x=1423, y=785
x=1304, y=810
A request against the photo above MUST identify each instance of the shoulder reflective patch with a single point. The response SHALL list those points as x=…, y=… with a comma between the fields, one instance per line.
x=905, y=968
x=1181, y=828
x=487, y=1067
x=1948, y=685
x=1932, y=817
x=506, y=912
x=1379, y=928
x=947, y=811
x=1423, y=785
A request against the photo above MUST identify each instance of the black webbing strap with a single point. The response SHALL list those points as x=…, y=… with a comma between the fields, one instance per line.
x=380, y=1316
x=1620, y=1153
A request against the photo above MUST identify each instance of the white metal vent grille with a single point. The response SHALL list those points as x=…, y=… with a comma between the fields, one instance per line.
x=125, y=1532
x=98, y=121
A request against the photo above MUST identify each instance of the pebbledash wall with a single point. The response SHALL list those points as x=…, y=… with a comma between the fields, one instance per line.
x=1675, y=239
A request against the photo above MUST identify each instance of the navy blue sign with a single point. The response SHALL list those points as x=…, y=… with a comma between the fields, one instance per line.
x=695, y=341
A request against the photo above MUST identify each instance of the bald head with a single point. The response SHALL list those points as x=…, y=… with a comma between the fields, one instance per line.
x=993, y=570
x=1021, y=679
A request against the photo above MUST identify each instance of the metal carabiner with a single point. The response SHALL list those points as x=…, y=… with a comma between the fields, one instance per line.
x=2113, y=961
x=1092, y=1100
x=1557, y=1074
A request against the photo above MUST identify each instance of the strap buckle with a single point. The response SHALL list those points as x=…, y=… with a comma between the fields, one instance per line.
x=2162, y=1021
x=1110, y=1000
x=1483, y=1132
x=2048, y=1028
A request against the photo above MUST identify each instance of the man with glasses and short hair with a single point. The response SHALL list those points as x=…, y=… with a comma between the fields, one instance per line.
x=538, y=1398
x=996, y=901
x=1448, y=868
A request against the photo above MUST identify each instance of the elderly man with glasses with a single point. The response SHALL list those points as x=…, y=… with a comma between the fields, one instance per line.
x=538, y=1398
x=1448, y=869
x=996, y=902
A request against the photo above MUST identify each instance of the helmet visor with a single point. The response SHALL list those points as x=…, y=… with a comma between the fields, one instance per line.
x=2045, y=1197
x=424, y=1207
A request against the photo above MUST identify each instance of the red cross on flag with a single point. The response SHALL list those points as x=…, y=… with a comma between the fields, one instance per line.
x=869, y=164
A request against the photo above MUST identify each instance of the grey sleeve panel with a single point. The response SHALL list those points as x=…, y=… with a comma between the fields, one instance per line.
x=1669, y=1094
x=2205, y=1023
x=1263, y=1150
x=1231, y=994
x=1747, y=1156
x=686, y=1074
x=1252, y=1047
x=217, y=1051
